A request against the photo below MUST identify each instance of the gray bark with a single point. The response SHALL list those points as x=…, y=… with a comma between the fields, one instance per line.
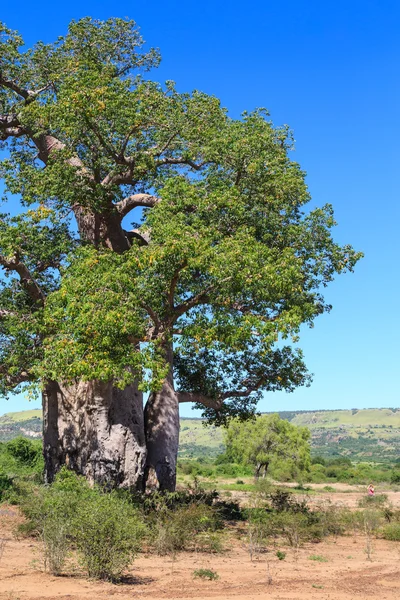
x=97, y=430
x=162, y=432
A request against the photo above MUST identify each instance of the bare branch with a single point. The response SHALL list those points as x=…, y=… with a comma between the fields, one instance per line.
x=217, y=403
x=251, y=387
x=153, y=315
x=214, y=403
x=127, y=204
x=10, y=127
x=143, y=237
x=27, y=280
x=182, y=161
x=12, y=85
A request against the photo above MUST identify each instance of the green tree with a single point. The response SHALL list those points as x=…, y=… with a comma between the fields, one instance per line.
x=190, y=303
x=268, y=439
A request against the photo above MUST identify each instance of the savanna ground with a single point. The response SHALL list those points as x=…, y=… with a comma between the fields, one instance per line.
x=336, y=568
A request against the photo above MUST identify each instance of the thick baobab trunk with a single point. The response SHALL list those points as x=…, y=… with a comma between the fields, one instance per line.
x=162, y=432
x=97, y=430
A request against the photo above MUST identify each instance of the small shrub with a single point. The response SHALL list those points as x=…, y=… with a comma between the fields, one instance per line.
x=369, y=501
x=175, y=530
x=24, y=450
x=5, y=484
x=391, y=532
x=317, y=558
x=395, y=476
x=281, y=555
x=209, y=541
x=107, y=532
x=206, y=574
x=230, y=511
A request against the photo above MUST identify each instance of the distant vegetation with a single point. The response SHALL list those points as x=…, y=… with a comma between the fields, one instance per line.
x=367, y=435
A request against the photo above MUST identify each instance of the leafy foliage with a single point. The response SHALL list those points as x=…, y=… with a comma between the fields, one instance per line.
x=266, y=439
x=225, y=263
x=105, y=528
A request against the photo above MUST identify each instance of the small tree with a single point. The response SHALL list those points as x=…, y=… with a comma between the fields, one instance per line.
x=261, y=441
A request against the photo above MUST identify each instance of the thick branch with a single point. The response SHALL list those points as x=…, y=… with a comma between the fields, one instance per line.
x=214, y=403
x=127, y=204
x=143, y=237
x=27, y=280
x=217, y=403
x=10, y=127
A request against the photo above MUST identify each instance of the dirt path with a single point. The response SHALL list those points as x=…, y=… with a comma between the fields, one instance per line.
x=346, y=574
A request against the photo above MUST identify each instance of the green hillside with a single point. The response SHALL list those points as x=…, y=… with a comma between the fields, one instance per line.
x=362, y=435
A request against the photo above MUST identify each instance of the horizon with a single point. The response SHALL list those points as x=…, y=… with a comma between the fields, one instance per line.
x=266, y=412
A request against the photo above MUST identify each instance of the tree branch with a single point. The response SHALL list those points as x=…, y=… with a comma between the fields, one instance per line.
x=127, y=204
x=12, y=381
x=214, y=403
x=200, y=298
x=217, y=403
x=27, y=280
x=174, y=283
x=182, y=161
x=10, y=127
x=143, y=237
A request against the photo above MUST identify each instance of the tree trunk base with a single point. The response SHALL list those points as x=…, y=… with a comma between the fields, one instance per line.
x=97, y=430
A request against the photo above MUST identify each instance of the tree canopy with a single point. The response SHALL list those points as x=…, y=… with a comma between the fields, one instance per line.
x=268, y=439
x=225, y=262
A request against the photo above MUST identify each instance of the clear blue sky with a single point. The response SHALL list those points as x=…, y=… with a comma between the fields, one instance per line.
x=331, y=71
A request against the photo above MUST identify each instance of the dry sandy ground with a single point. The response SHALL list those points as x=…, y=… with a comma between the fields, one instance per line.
x=343, y=495
x=346, y=575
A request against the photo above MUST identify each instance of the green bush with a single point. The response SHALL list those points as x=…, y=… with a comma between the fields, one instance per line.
x=24, y=450
x=391, y=532
x=395, y=476
x=5, y=484
x=378, y=500
x=107, y=533
x=105, y=528
x=206, y=574
x=184, y=528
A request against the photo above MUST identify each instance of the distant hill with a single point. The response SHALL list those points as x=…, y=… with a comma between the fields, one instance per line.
x=362, y=435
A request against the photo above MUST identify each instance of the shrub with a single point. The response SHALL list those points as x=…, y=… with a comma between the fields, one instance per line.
x=369, y=501
x=180, y=529
x=391, y=532
x=395, y=476
x=107, y=532
x=104, y=527
x=260, y=529
x=280, y=555
x=5, y=483
x=317, y=558
x=206, y=574
x=24, y=450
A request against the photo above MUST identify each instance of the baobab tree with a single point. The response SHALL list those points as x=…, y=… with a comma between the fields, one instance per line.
x=192, y=303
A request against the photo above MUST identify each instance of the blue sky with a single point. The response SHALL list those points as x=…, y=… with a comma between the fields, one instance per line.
x=331, y=71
